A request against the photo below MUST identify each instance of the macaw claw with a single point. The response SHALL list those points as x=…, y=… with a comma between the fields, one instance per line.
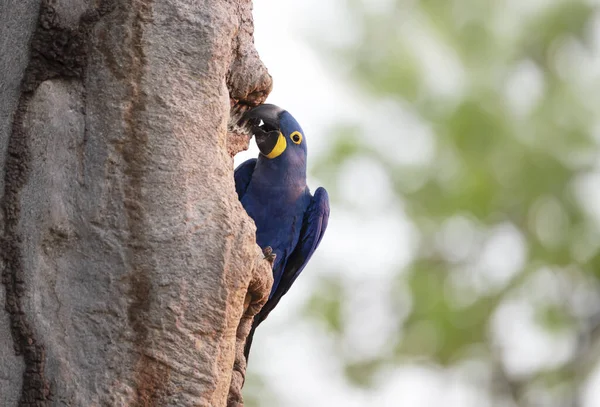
x=269, y=255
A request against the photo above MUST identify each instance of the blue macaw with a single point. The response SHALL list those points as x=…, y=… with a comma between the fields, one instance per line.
x=290, y=222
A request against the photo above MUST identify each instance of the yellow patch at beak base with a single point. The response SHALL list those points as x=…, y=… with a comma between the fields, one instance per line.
x=279, y=147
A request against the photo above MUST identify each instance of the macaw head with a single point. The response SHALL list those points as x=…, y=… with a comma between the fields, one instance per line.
x=277, y=133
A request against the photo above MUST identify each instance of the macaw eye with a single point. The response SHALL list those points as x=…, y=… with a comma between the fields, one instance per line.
x=296, y=137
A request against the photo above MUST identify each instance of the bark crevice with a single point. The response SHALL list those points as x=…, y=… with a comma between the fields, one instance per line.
x=35, y=388
x=55, y=52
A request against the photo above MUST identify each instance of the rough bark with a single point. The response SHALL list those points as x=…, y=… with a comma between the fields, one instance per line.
x=130, y=271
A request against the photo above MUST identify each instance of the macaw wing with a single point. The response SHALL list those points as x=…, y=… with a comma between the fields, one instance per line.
x=242, y=176
x=313, y=228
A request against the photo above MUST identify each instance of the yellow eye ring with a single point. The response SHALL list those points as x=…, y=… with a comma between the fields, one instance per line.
x=296, y=137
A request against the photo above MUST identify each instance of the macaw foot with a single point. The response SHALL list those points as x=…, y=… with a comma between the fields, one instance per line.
x=269, y=255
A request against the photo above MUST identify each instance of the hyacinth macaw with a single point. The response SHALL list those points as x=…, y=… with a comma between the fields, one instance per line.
x=290, y=222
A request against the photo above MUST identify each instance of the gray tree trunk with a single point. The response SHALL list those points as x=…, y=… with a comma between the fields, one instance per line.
x=130, y=271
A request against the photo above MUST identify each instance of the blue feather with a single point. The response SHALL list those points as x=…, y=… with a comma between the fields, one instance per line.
x=288, y=218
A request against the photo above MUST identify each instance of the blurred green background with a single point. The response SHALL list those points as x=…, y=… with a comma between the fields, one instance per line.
x=475, y=134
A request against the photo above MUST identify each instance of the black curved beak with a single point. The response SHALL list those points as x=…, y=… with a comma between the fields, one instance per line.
x=263, y=121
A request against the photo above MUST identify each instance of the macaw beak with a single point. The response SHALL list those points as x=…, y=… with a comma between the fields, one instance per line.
x=271, y=144
x=263, y=121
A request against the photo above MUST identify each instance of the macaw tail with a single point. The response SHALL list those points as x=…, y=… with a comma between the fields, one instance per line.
x=258, y=318
x=249, y=341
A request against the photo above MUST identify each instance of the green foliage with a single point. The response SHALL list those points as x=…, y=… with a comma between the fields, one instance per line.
x=512, y=142
x=326, y=304
x=437, y=327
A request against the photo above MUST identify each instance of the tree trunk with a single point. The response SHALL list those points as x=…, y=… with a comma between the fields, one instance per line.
x=130, y=271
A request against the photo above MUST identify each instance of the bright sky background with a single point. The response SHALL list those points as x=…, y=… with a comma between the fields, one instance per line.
x=294, y=357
